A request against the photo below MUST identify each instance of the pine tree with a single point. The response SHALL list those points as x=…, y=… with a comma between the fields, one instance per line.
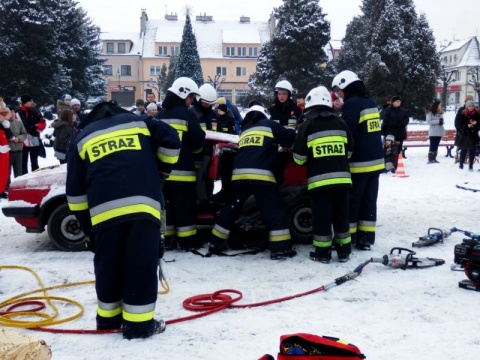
x=296, y=50
x=57, y=51
x=393, y=51
x=171, y=75
x=188, y=60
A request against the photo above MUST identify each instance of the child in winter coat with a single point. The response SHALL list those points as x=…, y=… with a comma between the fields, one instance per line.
x=64, y=134
x=390, y=153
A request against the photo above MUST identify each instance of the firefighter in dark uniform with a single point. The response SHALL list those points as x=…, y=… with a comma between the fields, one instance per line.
x=366, y=164
x=203, y=108
x=284, y=108
x=179, y=188
x=324, y=144
x=114, y=189
x=253, y=175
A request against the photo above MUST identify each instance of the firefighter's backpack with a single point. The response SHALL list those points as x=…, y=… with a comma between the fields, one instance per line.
x=313, y=347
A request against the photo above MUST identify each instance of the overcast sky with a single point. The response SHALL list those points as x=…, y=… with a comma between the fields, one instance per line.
x=449, y=20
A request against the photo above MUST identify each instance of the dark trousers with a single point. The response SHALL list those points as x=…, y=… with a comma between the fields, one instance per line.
x=463, y=156
x=434, y=142
x=271, y=204
x=330, y=207
x=15, y=165
x=33, y=152
x=363, y=208
x=126, y=260
x=180, y=206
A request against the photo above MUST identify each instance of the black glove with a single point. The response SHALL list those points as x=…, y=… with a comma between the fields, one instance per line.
x=440, y=122
x=90, y=242
x=161, y=247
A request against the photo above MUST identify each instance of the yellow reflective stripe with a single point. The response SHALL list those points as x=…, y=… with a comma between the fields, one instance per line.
x=353, y=228
x=343, y=241
x=169, y=230
x=369, y=114
x=186, y=231
x=138, y=317
x=108, y=135
x=365, y=169
x=77, y=203
x=181, y=178
x=368, y=226
x=260, y=130
x=327, y=139
x=169, y=156
x=253, y=177
x=322, y=243
x=326, y=182
x=298, y=161
x=125, y=210
x=219, y=234
x=279, y=235
x=109, y=313
x=178, y=127
x=199, y=150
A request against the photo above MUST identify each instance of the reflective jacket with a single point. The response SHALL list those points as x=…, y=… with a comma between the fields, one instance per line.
x=112, y=170
x=257, y=151
x=324, y=144
x=192, y=137
x=287, y=113
x=362, y=118
x=205, y=116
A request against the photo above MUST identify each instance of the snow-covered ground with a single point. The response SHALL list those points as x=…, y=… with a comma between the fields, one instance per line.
x=388, y=313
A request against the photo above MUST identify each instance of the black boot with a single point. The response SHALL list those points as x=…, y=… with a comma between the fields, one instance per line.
x=323, y=255
x=142, y=330
x=343, y=251
x=112, y=323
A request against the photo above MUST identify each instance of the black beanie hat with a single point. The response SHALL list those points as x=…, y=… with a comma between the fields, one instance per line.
x=395, y=98
x=223, y=107
x=25, y=98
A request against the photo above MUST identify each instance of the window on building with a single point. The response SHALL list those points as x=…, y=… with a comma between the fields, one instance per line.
x=229, y=51
x=241, y=96
x=445, y=59
x=155, y=70
x=226, y=93
x=253, y=52
x=455, y=58
x=221, y=70
x=241, y=71
x=121, y=48
x=242, y=51
x=107, y=69
x=174, y=50
x=126, y=70
x=457, y=98
x=110, y=48
x=450, y=58
x=162, y=50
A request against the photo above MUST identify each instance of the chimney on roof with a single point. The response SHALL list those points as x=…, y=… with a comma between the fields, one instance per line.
x=271, y=23
x=171, y=17
x=143, y=21
x=244, y=19
x=204, y=17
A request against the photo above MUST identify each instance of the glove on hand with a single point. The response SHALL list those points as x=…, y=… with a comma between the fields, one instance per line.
x=440, y=122
x=161, y=247
x=90, y=242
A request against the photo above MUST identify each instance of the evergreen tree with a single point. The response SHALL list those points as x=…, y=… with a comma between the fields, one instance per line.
x=51, y=47
x=189, y=61
x=171, y=75
x=296, y=50
x=393, y=51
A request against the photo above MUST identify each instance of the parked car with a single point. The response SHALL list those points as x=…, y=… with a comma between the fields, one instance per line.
x=37, y=200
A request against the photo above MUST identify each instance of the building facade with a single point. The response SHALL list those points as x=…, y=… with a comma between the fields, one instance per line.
x=228, y=53
x=461, y=63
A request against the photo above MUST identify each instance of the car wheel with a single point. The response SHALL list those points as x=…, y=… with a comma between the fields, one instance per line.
x=300, y=221
x=64, y=230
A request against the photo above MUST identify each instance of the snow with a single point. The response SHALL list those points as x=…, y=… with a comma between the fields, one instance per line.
x=388, y=313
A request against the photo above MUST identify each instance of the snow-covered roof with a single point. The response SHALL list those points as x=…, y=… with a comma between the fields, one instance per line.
x=472, y=54
x=134, y=37
x=456, y=45
x=210, y=35
x=336, y=44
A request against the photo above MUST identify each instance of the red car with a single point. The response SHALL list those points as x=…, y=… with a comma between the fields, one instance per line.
x=38, y=199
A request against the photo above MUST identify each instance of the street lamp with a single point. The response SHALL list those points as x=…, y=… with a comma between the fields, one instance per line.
x=119, y=76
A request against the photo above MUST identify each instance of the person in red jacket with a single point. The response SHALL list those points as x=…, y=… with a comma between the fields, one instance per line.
x=34, y=124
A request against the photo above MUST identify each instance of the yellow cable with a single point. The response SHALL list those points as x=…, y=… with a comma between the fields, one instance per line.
x=22, y=319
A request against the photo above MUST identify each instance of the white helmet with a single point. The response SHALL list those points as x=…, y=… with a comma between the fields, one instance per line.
x=260, y=109
x=183, y=87
x=75, y=102
x=284, y=85
x=318, y=96
x=344, y=79
x=208, y=93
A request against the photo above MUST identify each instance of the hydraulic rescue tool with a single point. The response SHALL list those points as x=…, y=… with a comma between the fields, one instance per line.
x=434, y=235
x=406, y=260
